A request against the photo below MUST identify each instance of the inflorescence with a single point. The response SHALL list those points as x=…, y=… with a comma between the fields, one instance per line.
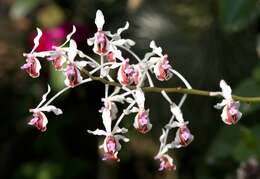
x=131, y=79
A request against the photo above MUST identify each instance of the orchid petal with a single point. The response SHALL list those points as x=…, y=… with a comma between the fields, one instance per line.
x=220, y=105
x=51, y=108
x=37, y=39
x=124, y=42
x=177, y=113
x=72, y=52
x=120, y=130
x=100, y=20
x=118, y=98
x=226, y=90
x=69, y=36
x=44, y=96
x=121, y=137
x=156, y=50
x=97, y=132
x=122, y=29
x=115, y=65
x=81, y=64
x=107, y=120
x=140, y=98
x=91, y=41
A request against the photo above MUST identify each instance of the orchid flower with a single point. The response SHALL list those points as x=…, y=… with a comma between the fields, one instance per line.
x=125, y=73
x=230, y=112
x=111, y=145
x=160, y=64
x=166, y=162
x=59, y=57
x=100, y=40
x=142, y=121
x=39, y=119
x=32, y=65
x=72, y=73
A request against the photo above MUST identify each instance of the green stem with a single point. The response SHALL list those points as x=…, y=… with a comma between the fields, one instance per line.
x=255, y=99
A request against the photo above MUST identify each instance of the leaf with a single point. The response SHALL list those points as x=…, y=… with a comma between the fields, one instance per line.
x=234, y=15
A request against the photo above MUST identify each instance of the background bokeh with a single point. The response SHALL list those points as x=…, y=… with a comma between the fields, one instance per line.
x=206, y=41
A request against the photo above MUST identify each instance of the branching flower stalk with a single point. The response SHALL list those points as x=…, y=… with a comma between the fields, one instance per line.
x=132, y=81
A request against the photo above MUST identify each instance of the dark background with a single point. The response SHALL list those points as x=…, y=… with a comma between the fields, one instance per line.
x=206, y=41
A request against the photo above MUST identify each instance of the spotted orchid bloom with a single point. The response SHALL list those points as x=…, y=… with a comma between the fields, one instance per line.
x=161, y=65
x=72, y=73
x=166, y=163
x=58, y=60
x=33, y=65
x=183, y=135
x=141, y=122
x=162, y=69
x=100, y=40
x=39, y=119
x=59, y=57
x=230, y=112
x=111, y=145
x=125, y=73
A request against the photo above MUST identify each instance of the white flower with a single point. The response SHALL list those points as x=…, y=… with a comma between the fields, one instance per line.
x=39, y=119
x=32, y=65
x=230, y=112
x=72, y=73
x=111, y=145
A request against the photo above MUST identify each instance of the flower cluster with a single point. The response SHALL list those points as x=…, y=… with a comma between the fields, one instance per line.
x=133, y=74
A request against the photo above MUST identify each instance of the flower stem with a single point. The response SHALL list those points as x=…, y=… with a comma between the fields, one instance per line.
x=63, y=90
x=123, y=115
x=180, y=90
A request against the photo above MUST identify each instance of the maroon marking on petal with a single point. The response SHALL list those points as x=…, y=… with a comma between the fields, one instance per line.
x=57, y=62
x=166, y=164
x=185, y=136
x=72, y=75
x=231, y=119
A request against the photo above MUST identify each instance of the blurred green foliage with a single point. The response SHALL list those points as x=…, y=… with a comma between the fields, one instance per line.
x=235, y=15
